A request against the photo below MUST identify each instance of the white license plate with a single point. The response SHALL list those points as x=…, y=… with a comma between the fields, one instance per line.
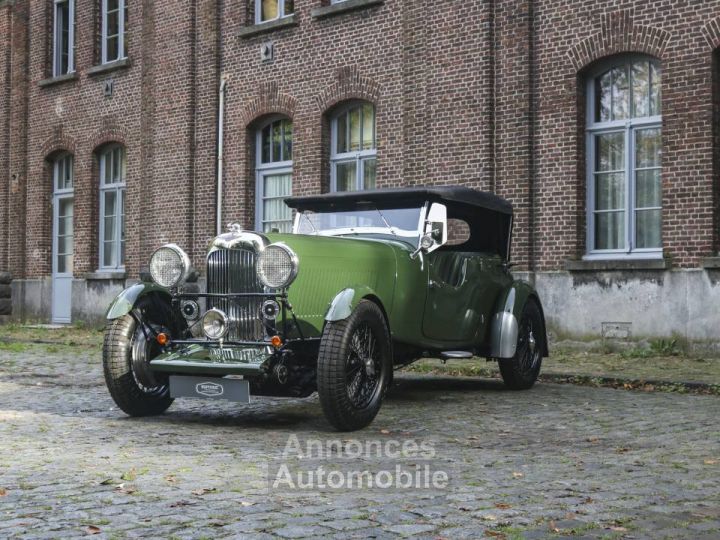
x=237, y=390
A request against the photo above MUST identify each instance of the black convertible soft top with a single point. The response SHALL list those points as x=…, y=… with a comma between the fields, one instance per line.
x=488, y=216
x=450, y=195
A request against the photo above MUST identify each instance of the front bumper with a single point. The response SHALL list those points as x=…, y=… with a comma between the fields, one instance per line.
x=201, y=359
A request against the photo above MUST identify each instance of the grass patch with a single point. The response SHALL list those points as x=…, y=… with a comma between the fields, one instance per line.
x=12, y=346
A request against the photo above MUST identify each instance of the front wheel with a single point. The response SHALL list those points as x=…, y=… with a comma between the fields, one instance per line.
x=127, y=350
x=354, y=367
x=521, y=371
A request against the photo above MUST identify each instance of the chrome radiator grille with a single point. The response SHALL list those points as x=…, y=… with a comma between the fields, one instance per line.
x=233, y=271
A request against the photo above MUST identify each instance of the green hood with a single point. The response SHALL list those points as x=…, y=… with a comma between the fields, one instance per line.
x=330, y=265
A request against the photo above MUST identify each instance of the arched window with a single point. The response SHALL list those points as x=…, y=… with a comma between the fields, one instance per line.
x=113, y=171
x=353, y=152
x=274, y=175
x=624, y=146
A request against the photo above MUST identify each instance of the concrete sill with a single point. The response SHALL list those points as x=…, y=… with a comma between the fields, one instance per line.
x=269, y=26
x=604, y=266
x=52, y=81
x=111, y=66
x=711, y=263
x=343, y=7
x=100, y=275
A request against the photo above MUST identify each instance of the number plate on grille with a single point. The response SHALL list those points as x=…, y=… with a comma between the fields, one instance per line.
x=210, y=388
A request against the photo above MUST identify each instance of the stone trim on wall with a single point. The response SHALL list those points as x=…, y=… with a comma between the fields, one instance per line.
x=349, y=84
x=269, y=100
x=618, y=34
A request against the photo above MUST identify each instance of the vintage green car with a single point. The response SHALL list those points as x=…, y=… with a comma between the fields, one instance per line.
x=366, y=282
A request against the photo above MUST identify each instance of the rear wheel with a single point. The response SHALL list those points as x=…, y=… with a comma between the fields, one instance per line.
x=354, y=367
x=521, y=371
x=127, y=350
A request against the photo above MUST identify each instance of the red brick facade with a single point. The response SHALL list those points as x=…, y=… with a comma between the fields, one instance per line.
x=488, y=93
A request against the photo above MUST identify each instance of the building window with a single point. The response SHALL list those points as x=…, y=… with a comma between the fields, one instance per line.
x=624, y=154
x=274, y=175
x=63, y=214
x=269, y=10
x=353, y=153
x=113, y=170
x=114, y=26
x=63, y=37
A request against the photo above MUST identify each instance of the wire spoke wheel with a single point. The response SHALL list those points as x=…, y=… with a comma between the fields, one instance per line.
x=354, y=367
x=362, y=366
x=521, y=371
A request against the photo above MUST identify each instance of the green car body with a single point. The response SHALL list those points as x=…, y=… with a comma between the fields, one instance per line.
x=437, y=301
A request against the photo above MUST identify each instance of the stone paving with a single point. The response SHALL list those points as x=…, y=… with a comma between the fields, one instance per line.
x=557, y=461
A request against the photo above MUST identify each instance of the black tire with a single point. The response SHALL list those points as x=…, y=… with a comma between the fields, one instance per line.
x=521, y=371
x=351, y=389
x=133, y=397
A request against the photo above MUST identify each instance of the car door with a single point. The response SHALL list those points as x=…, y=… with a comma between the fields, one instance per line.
x=462, y=290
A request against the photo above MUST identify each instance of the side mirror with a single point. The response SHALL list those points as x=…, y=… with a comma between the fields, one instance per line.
x=435, y=232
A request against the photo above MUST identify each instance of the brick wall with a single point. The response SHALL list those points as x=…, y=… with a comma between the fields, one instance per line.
x=487, y=93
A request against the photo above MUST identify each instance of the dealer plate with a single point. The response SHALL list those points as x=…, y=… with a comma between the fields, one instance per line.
x=210, y=388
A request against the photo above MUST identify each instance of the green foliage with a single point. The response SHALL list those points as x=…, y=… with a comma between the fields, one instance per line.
x=11, y=346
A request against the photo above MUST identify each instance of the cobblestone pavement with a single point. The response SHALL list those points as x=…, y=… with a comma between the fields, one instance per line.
x=554, y=461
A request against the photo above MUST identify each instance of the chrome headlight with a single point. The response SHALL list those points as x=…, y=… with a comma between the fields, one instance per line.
x=277, y=266
x=215, y=324
x=169, y=266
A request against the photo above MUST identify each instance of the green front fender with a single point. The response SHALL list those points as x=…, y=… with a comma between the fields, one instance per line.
x=505, y=323
x=126, y=300
x=346, y=301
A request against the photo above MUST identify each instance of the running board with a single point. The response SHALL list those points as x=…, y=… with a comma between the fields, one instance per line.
x=455, y=355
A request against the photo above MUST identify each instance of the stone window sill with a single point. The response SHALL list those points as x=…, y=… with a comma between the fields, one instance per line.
x=619, y=264
x=269, y=26
x=52, y=81
x=101, y=275
x=110, y=66
x=711, y=263
x=343, y=7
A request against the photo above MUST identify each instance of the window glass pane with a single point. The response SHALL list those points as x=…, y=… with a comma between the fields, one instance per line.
x=113, y=23
x=346, y=176
x=109, y=230
x=603, y=97
x=647, y=229
x=648, y=192
x=108, y=254
x=289, y=7
x=610, y=230
x=648, y=148
x=268, y=9
x=65, y=226
x=620, y=91
x=276, y=141
x=116, y=165
x=287, y=144
x=113, y=5
x=106, y=165
x=641, y=88
x=111, y=49
x=123, y=48
x=109, y=207
x=655, y=87
x=354, y=115
x=341, y=131
x=68, y=179
x=368, y=112
x=122, y=227
x=610, y=152
x=275, y=213
x=265, y=141
x=369, y=174
x=609, y=191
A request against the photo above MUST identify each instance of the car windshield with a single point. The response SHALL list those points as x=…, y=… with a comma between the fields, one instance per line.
x=399, y=223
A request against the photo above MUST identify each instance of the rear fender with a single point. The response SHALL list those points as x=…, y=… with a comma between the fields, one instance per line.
x=505, y=323
x=346, y=301
x=127, y=299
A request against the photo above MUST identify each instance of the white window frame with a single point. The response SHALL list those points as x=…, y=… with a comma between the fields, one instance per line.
x=122, y=53
x=268, y=169
x=57, y=39
x=359, y=157
x=119, y=189
x=281, y=12
x=629, y=127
